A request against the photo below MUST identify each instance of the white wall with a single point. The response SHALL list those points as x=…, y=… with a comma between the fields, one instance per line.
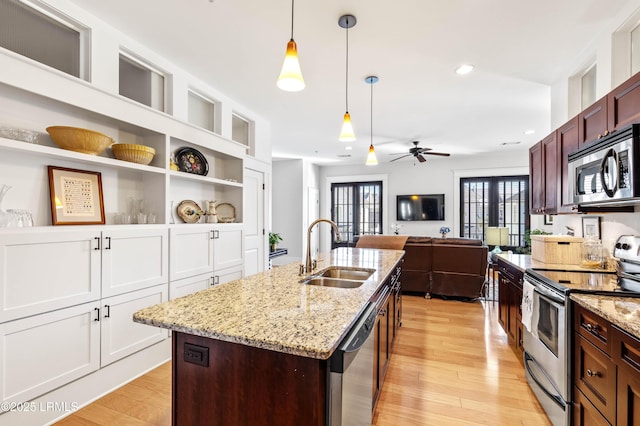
x=288, y=207
x=436, y=176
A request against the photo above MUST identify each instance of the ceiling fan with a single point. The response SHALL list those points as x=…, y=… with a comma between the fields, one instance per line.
x=418, y=152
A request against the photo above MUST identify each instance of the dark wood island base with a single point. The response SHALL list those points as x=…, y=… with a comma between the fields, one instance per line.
x=223, y=383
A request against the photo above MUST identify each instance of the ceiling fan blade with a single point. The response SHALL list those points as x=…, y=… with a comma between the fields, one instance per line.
x=400, y=157
x=421, y=158
x=443, y=154
x=423, y=150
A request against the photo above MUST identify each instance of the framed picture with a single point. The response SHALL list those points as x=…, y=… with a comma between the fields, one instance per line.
x=591, y=226
x=548, y=219
x=76, y=197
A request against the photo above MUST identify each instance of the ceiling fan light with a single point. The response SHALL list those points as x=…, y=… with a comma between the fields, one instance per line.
x=372, y=160
x=347, y=134
x=464, y=69
x=290, y=78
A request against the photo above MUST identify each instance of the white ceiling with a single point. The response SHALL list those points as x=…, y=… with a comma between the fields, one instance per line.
x=518, y=49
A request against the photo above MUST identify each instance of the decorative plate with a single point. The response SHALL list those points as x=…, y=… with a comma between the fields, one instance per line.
x=189, y=211
x=226, y=213
x=190, y=160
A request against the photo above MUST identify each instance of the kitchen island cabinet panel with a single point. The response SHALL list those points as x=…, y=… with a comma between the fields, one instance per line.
x=626, y=352
x=510, y=280
x=226, y=383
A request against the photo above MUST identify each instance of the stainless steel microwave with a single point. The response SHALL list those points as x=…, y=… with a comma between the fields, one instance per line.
x=606, y=171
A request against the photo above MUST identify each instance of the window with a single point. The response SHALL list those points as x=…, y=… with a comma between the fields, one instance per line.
x=43, y=36
x=588, y=87
x=141, y=82
x=201, y=111
x=495, y=201
x=356, y=207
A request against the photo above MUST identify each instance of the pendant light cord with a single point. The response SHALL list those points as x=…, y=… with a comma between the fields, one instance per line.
x=371, y=118
x=346, y=97
x=292, y=1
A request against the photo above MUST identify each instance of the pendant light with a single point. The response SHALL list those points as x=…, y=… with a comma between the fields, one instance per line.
x=347, y=134
x=371, y=157
x=290, y=78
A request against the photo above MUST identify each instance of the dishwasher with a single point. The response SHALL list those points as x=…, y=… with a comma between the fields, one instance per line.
x=351, y=375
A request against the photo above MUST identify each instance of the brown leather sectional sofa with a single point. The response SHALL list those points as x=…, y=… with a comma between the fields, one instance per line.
x=450, y=267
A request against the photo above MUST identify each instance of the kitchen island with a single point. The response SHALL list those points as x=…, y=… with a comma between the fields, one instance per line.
x=256, y=350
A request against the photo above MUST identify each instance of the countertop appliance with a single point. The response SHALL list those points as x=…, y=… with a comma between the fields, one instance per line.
x=627, y=251
x=606, y=171
x=351, y=374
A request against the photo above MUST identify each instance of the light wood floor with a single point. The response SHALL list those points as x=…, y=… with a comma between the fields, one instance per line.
x=451, y=366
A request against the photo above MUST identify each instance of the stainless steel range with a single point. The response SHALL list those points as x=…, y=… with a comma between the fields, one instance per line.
x=546, y=316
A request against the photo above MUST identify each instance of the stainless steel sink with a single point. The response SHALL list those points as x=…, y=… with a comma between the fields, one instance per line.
x=333, y=282
x=347, y=273
x=339, y=277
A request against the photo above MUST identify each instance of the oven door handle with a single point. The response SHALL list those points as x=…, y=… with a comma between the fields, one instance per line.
x=556, y=398
x=549, y=294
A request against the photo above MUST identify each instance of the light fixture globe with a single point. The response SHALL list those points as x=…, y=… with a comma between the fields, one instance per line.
x=372, y=160
x=290, y=78
x=347, y=134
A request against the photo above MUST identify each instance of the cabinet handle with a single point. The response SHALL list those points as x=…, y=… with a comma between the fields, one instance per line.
x=599, y=136
x=383, y=312
x=108, y=247
x=216, y=234
x=216, y=279
x=593, y=373
x=592, y=328
x=212, y=234
x=606, y=132
x=108, y=308
x=97, y=242
x=212, y=282
x=97, y=318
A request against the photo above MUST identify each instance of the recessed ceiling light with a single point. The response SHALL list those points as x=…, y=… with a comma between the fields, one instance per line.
x=464, y=69
x=348, y=148
x=529, y=132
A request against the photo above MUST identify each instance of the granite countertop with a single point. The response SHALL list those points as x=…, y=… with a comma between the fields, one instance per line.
x=524, y=261
x=621, y=311
x=274, y=311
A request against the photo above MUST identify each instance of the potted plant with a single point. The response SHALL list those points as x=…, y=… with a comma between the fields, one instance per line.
x=274, y=239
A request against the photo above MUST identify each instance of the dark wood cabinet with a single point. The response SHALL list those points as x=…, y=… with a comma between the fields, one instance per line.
x=593, y=122
x=510, y=281
x=389, y=307
x=567, y=142
x=617, y=109
x=626, y=353
x=543, y=176
x=606, y=372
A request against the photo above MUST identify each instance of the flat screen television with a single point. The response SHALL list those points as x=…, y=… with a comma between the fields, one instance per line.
x=420, y=207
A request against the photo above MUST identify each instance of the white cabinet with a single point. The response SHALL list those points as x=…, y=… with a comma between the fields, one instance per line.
x=43, y=352
x=120, y=336
x=191, y=251
x=185, y=286
x=133, y=258
x=227, y=246
x=225, y=275
x=43, y=269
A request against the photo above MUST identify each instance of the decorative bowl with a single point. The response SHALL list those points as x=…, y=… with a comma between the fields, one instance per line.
x=134, y=153
x=79, y=140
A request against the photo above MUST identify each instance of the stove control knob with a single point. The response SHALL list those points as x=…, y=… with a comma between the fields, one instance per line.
x=618, y=245
x=625, y=246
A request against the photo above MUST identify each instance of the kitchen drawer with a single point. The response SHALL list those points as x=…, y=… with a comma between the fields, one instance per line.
x=593, y=328
x=584, y=413
x=595, y=376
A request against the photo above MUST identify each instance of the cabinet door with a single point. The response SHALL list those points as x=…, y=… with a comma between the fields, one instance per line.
x=46, y=269
x=226, y=275
x=43, y=352
x=191, y=251
x=584, y=413
x=120, y=336
x=503, y=302
x=567, y=142
x=190, y=285
x=550, y=174
x=227, y=246
x=385, y=341
x=133, y=259
x=592, y=122
x=623, y=104
x=626, y=354
x=536, y=179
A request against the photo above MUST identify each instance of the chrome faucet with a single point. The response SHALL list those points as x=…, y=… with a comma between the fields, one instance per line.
x=309, y=264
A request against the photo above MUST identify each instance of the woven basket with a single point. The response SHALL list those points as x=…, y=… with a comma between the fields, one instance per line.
x=133, y=153
x=79, y=140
